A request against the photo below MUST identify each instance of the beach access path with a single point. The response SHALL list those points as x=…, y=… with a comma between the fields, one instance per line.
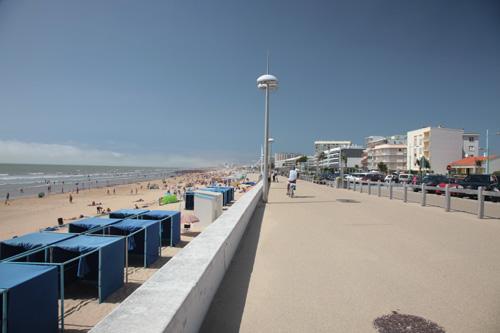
x=332, y=260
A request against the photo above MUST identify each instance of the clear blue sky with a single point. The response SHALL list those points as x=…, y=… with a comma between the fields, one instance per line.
x=177, y=78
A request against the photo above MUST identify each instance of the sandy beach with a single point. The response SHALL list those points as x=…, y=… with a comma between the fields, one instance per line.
x=24, y=215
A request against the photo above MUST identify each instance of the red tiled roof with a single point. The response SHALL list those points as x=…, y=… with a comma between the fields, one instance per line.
x=470, y=160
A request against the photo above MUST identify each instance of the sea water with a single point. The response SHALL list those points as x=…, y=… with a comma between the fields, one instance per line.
x=32, y=179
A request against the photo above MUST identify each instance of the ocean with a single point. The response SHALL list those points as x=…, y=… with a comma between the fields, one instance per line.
x=31, y=179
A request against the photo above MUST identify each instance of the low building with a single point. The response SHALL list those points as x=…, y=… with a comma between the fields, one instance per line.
x=470, y=165
x=284, y=156
x=438, y=145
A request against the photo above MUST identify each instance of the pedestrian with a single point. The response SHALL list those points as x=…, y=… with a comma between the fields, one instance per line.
x=70, y=198
x=7, y=196
x=114, y=191
x=77, y=190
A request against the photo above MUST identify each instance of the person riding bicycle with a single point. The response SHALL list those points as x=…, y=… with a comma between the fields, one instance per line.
x=292, y=178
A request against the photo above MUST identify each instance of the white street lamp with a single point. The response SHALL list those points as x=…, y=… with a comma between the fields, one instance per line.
x=268, y=83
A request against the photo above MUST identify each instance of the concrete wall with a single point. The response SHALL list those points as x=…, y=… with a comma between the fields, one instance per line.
x=177, y=297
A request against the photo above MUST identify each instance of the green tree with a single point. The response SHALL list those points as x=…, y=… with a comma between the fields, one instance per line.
x=382, y=167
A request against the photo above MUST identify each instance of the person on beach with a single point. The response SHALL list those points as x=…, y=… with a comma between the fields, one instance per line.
x=114, y=191
x=7, y=196
x=70, y=199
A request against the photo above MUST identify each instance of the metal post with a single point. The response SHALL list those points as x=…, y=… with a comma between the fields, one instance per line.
x=379, y=189
x=423, y=196
x=145, y=247
x=447, y=198
x=369, y=187
x=360, y=186
x=126, y=259
x=266, y=146
x=61, y=296
x=99, y=277
x=480, y=202
x=405, y=192
x=4, y=311
x=390, y=190
x=354, y=185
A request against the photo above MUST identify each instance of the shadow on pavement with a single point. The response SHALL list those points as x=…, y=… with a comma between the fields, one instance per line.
x=226, y=310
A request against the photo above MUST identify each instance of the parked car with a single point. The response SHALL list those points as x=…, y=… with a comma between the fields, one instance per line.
x=389, y=179
x=372, y=177
x=429, y=180
x=473, y=182
x=493, y=188
x=404, y=178
x=452, y=183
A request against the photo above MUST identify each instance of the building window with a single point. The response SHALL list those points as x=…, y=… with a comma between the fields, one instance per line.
x=471, y=139
x=471, y=148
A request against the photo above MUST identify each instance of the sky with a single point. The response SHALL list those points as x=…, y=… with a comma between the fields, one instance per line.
x=173, y=82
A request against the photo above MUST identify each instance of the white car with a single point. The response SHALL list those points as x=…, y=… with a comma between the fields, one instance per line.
x=389, y=178
x=405, y=178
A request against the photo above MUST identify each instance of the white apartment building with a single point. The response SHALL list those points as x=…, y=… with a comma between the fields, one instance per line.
x=321, y=146
x=471, y=144
x=390, y=150
x=285, y=156
x=439, y=145
x=392, y=155
x=333, y=157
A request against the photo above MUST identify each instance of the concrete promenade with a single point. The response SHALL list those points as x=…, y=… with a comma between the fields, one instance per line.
x=333, y=260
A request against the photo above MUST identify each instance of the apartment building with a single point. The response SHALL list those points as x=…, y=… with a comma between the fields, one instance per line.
x=284, y=156
x=390, y=150
x=333, y=159
x=321, y=146
x=471, y=145
x=439, y=145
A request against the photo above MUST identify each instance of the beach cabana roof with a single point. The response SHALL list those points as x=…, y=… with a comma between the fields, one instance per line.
x=91, y=223
x=124, y=213
x=29, y=289
x=18, y=245
x=107, y=266
x=146, y=243
x=171, y=224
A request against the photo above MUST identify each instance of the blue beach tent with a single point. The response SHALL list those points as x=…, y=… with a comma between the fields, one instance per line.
x=170, y=224
x=143, y=237
x=93, y=223
x=30, y=242
x=28, y=298
x=125, y=213
x=96, y=258
x=189, y=197
x=229, y=189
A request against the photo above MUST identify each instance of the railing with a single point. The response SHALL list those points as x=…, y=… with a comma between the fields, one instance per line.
x=448, y=191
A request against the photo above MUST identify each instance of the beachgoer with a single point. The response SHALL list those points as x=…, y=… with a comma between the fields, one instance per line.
x=77, y=190
x=131, y=191
x=7, y=196
x=70, y=198
x=108, y=191
x=114, y=191
x=292, y=178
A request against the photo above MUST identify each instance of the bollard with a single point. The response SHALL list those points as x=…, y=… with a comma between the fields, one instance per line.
x=480, y=202
x=447, y=198
x=360, y=186
x=423, y=196
x=379, y=188
x=390, y=190
x=369, y=187
x=405, y=192
x=354, y=185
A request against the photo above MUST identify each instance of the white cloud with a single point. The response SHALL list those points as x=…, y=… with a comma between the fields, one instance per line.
x=12, y=151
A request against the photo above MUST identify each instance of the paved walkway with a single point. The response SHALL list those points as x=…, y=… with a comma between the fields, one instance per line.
x=316, y=263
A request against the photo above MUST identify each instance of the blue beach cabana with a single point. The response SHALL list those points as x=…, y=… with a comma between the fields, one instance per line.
x=225, y=193
x=229, y=190
x=127, y=213
x=189, y=200
x=28, y=298
x=143, y=237
x=30, y=243
x=170, y=224
x=96, y=224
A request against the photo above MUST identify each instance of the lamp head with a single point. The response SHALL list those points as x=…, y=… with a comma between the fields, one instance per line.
x=267, y=81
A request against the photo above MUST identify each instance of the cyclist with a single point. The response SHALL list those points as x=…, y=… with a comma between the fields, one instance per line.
x=292, y=178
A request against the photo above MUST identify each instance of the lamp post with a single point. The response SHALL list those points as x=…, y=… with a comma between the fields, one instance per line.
x=268, y=83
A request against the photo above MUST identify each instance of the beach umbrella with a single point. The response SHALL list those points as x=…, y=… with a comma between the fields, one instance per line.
x=188, y=219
